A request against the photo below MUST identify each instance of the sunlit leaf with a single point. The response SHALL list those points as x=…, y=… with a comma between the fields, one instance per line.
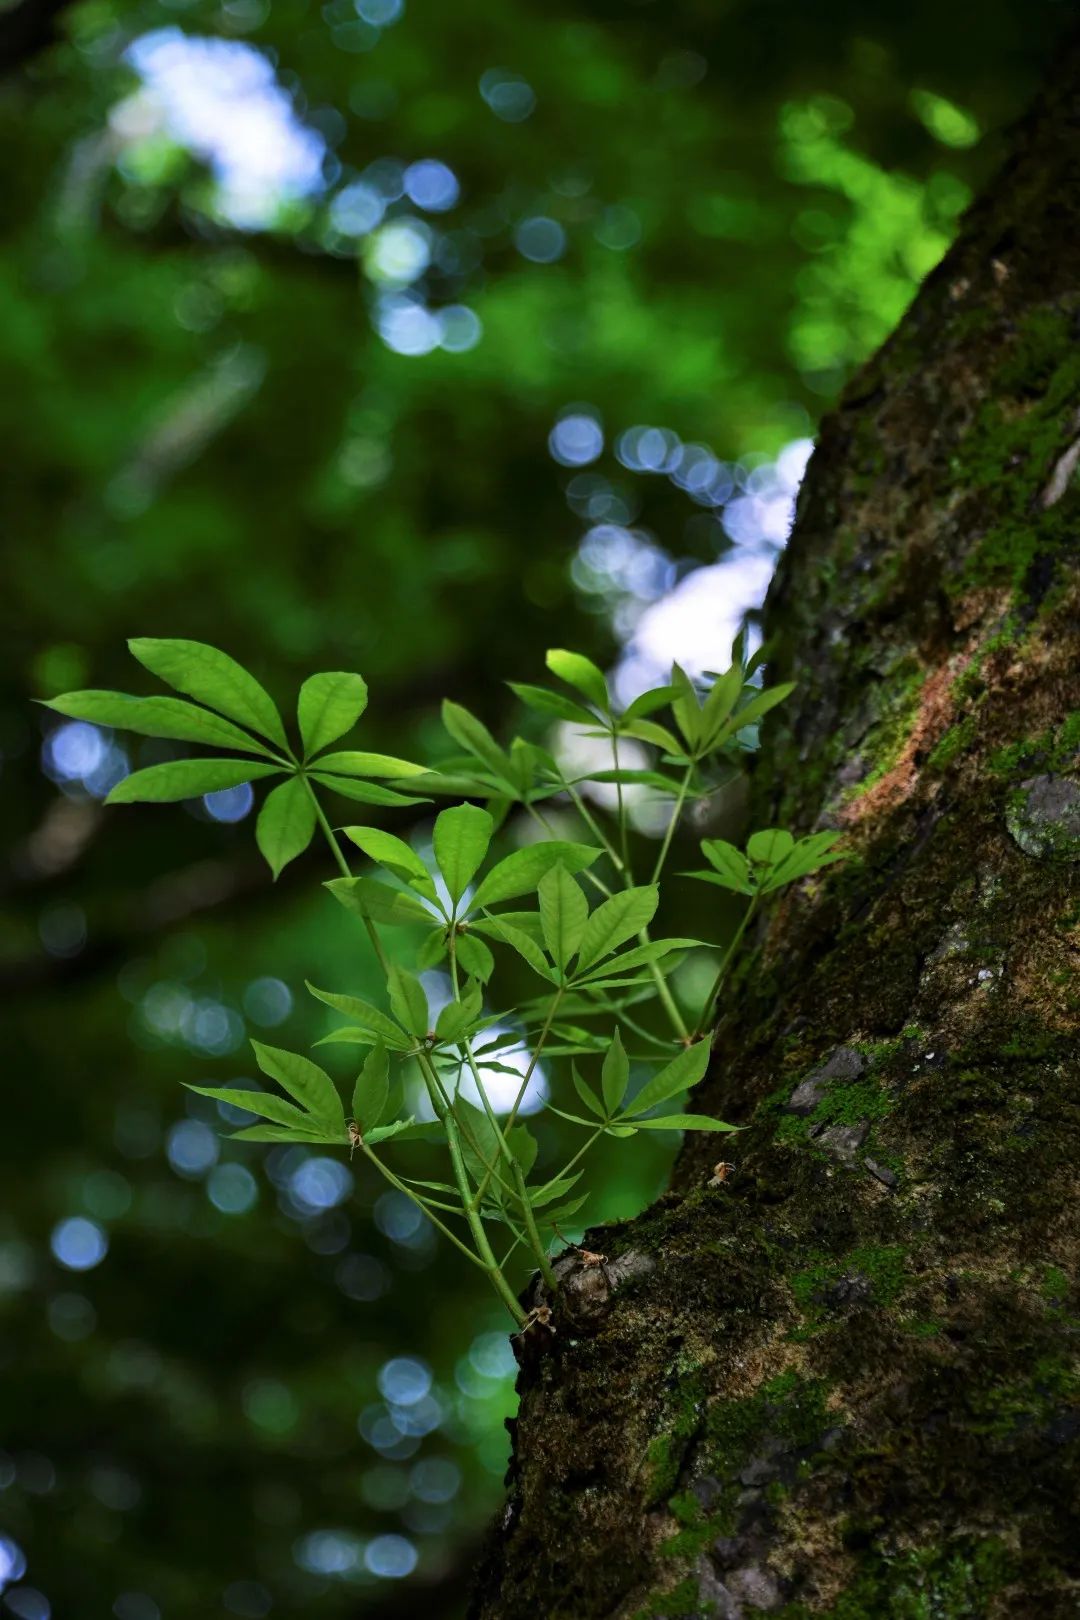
x=186, y=779
x=353, y=762
x=407, y=1000
x=520, y=872
x=328, y=706
x=472, y=735
x=564, y=913
x=615, y=921
x=166, y=717
x=212, y=677
x=587, y=1095
x=366, y=896
x=460, y=841
x=683, y=1122
x=367, y=1018
x=395, y=854
x=674, y=1078
x=554, y=703
x=474, y=956
x=577, y=670
x=263, y=1103
x=286, y=823
x=768, y=847
x=364, y=792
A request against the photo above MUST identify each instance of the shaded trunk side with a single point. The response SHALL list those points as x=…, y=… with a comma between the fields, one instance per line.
x=846, y=1380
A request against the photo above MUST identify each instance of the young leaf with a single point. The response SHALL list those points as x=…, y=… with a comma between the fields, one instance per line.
x=186, y=779
x=674, y=1078
x=577, y=670
x=756, y=709
x=616, y=921
x=380, y=902
x=363, y=792
x=372, y=1088
x=455, y=1020
x=286, y=824
x=395, y=854
x=352, y=762
x=474, y=957
x=768, y=847
x=564, y=913
x=660, y=737
x=263, y=1103
x=732, y=866
x=213, y=678
x=408, y=1001
x=368, y=1019
x=520, y=872
x=615, y=1075
x=545, y=702
x=649, y=702
x=329, y=705
x=311, y=1086
x=683, y=1122
x=809, y=854
x=167, y=717
x=472, y=735
x=460, y=840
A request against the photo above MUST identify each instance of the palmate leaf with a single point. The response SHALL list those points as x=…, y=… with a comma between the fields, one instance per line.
x=768, y=847
x=518, y=940
x=588, y=1097
x=460, y=841
x=167, y=717
x=474, y=956
x=262, y=1103
x=640, y=956
x=732, y=870
x=683, y=1122
x=472, y=735
x=212, y=677
x=328, y=706
x=311, y=1086
x=396, y=855
x=370, y=1024
x=354, y=762
x=408, y=1001
x=317, y=1136
x=648, y=702
x=615, y=1075
x=286, y=824
x=380, y=902
x=554, y=703
x=186, y=779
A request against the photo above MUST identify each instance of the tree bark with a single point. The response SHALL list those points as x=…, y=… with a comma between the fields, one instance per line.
x=844, y=1380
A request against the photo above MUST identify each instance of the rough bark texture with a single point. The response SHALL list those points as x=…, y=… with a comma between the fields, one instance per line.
x=846, y=1380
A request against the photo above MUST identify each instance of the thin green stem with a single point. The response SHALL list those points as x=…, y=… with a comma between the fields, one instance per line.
x=580, y=1154
x=422, y=1204
x=535, y=1241
x=624, y=837
x=476, y=1225
x=343, y=865
x=680, y=800
x=721, y=974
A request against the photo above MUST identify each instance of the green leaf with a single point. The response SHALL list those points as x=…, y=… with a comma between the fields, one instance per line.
x=479, y=1144
x=379, y=901
x=615, y=1075
x=354, y=763
x=453, y=1022
x=474, y=957
x=395, y=854
x=311, y=1086
x=545, y=702
x=757, y=708
x=809, y=854
x=564, y=914
x=587, y=1095
x=186, y=779
x=674, y=1078
x=156, y=717
x=329, y=705
x=213, y=678
x=520, y=872
x=263, y=1103
x=563, y=1212
x=615, y=921
x=408, y=1001
x=472, y=735
x=731, y=865
x=686, y=708
x=279, y=1133
x=577, y=670
x=461, y=840
x=769, y=847
x=524, y=1146
x=683, y=1122
x=372, y=1088
x=399, y=1128
x=518, y=940
x=432, y=949
x=286, y=824
x=719, y=702
x=364, y=792
x=640, y=956
x=648, y=702
x=551, y=1190
x=367, y=1018
x=660, y=737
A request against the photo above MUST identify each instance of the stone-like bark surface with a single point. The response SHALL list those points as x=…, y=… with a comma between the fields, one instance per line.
x=845, y=1381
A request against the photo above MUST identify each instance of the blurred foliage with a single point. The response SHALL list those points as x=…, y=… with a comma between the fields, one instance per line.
x=252, y=422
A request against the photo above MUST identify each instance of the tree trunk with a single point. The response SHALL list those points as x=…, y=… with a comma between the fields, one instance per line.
x=844, y=1379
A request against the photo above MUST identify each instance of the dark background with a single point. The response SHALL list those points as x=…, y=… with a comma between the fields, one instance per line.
x=211, y=430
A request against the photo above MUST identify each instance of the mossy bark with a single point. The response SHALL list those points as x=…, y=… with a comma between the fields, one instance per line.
x=845, y=1379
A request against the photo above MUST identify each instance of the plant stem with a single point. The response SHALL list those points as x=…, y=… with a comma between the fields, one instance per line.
x=476, y=1225
x=721, y=974
x=624, y=843
x=343, y=866
x=422, y=1204
x=680, y=800
x=535, y=1242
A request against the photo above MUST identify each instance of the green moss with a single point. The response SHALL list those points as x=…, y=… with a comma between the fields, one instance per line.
x=883, y=1266
x=1055, y=1284
x=1052, y=750
x=682, y=1600
x=1003, y=1409
x=956, y=741
x=952, y=1583
x=667, y=1450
